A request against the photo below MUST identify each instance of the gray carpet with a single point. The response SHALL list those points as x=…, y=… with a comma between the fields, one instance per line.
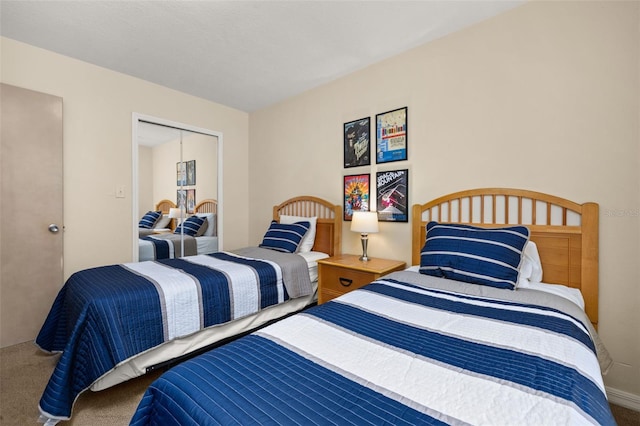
x=25, y=370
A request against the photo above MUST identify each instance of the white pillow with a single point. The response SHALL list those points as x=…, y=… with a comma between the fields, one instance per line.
x=211, y=224
x=310, y=237
x=530, y=267
x=163, y=222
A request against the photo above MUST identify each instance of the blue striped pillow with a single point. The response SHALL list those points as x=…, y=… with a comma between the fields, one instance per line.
x=485, y=256
x=284, y=237
x=191, y=226
x=149, y=220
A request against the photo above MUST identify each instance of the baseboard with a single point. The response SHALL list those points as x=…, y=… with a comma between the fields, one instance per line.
x=623, y=399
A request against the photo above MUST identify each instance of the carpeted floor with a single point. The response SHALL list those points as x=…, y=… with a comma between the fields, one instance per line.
x=25, y=370
x=24, y=373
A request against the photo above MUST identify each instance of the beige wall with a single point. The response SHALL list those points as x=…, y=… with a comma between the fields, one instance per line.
x=544, y=97
x=98, y=106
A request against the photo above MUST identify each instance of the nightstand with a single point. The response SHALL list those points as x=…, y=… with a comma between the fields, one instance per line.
x=340, y=274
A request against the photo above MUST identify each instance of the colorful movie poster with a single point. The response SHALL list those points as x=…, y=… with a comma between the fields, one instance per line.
x=392, y=189
x=356, y=194
x=391, y=136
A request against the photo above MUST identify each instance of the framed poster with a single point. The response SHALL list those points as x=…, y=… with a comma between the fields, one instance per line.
x=181, y=173
x=392, y=195
x=356, y=194
x=357, y=143
x=181, y=199
x=191, y=172
x=191, y=200
x=391, y=136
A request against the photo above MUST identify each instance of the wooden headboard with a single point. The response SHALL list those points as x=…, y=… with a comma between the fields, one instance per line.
x=165, y=205
x=207, y=206
x=565, y=232
x=328, y=225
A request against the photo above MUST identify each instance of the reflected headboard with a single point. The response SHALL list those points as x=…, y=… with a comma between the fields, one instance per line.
x=329, y=223
x=207, y=206
x=165, y=205
x=565, y=232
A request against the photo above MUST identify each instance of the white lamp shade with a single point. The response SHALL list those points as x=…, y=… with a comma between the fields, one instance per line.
x=175, y=213
x=364, y=222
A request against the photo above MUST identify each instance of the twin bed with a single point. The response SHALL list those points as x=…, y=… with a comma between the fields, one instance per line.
x=117, y=322
x=416, y=347
x=491, y=346
x=160, y=242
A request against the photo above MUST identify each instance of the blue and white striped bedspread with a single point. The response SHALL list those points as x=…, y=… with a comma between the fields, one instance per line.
x=393, y=353
x=105, y=315
x=170, y=246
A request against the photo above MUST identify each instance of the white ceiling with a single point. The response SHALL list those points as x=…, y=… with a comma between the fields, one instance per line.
x=243, y=54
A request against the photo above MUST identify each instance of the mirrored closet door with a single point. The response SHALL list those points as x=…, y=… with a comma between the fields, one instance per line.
x=177, y=206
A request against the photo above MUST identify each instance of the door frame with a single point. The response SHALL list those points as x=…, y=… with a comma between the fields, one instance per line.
x=136, y=119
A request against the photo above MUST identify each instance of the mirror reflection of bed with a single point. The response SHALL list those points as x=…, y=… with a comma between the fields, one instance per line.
x=165, y=240
x=161, y=149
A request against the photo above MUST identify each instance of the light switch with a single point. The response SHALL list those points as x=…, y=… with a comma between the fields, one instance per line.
x=120, y=191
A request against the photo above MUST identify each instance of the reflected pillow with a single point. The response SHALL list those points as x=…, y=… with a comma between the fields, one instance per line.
x=211, y=229
x=284, y=237
x=149, y=220
x=203, y=228
x=191, y=226
x=309, y=238
x=484, y=256
x=163, y=222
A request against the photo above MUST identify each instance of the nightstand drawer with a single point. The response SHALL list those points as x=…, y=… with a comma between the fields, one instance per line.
x=340, y=274
x=341, y=280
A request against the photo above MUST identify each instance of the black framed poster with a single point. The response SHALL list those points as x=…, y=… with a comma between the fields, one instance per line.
x=356, y=194
x=392, y=195
x=391, y=136
x=357, y=143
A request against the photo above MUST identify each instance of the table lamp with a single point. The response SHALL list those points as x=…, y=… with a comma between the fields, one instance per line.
x=365, y=223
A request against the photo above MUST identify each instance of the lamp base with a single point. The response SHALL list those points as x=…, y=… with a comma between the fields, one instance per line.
x=365, y=239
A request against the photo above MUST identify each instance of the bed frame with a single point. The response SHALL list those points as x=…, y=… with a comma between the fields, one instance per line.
x=328, y=226
x=565, y=232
